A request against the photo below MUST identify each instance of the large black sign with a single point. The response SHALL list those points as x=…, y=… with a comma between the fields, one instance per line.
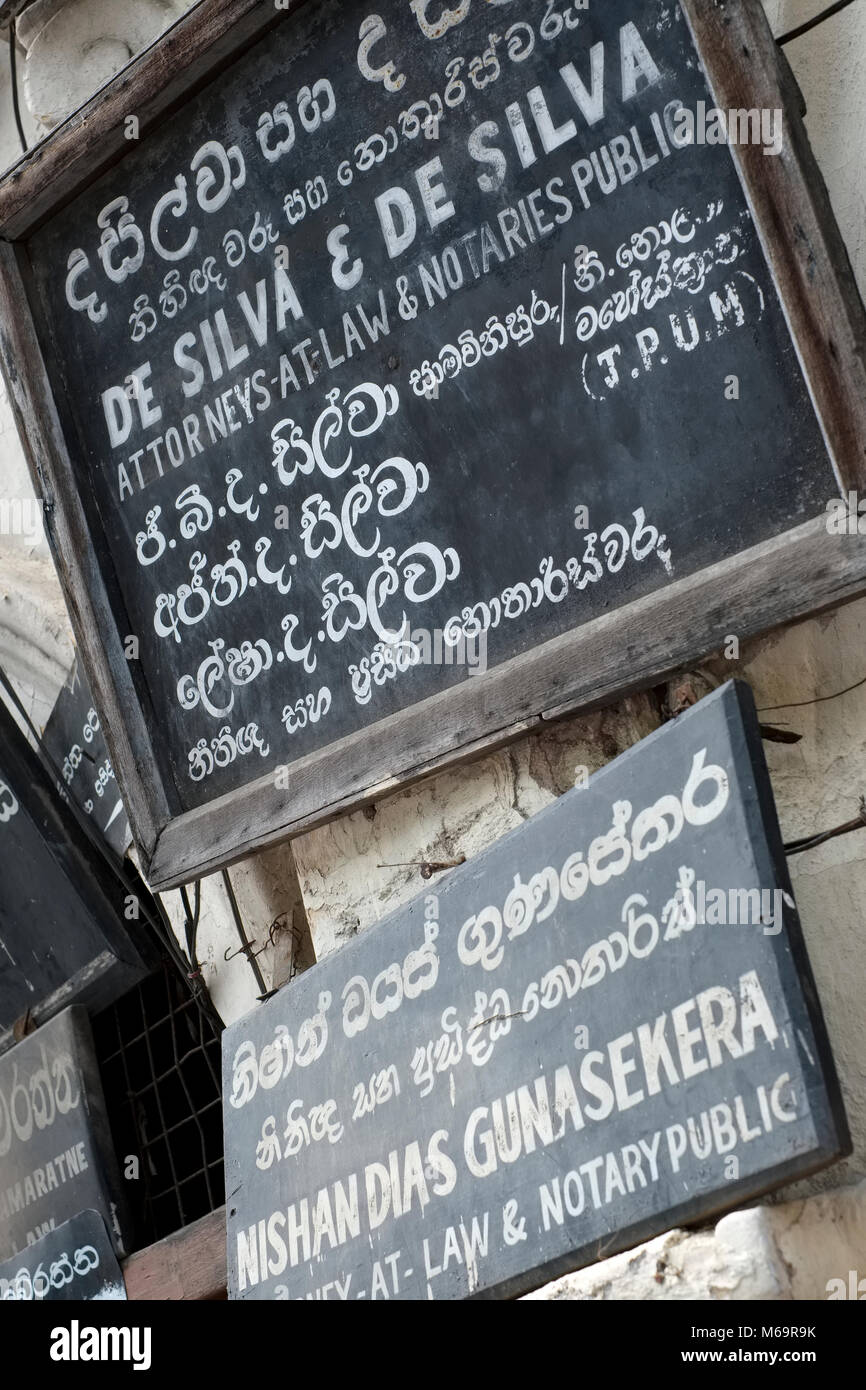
x=62, y=909
x=602, y=1026
x=75, y=1262
x=56, y=1154
x=418, y=340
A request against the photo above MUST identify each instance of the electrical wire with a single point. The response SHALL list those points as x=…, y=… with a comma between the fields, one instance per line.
x=814, y=21
x=13, y=80
x=191, y=922
x=816, y=699
x=812, y=841
x=246, y=944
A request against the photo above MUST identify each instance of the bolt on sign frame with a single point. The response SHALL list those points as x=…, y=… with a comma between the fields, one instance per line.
x=801, y=568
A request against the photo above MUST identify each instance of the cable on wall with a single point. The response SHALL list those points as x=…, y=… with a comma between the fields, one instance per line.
x=812, y=841
x=814, y=21
x=13, y=80
x=246, y=946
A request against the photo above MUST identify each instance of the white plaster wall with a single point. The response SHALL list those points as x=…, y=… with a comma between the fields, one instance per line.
x=73, y=47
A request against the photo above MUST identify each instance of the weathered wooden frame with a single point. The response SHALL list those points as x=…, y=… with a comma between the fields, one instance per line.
x=798, y=572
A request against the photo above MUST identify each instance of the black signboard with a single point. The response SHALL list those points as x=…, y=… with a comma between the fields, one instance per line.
x=409, y=348
x=601, y=1027
x=63, y=912
x=75, y=740
x=56, y=1154
x=74, y=1262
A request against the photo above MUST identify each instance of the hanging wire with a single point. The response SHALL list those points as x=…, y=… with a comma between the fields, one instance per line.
x=191, y=922
x=246, y=947
x=152, y=908
x=812, y=841
x=814, y=21
x=13, y=80
x=815, y=700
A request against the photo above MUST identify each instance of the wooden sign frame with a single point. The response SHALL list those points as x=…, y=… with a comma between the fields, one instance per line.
x=798, y=572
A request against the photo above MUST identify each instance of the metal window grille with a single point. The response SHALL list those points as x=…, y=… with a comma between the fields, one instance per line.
x=159, y=1056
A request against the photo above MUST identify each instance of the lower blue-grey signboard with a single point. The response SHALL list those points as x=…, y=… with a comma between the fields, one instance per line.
x=56, y=1149
x=74, y=1263
x=601, y=1027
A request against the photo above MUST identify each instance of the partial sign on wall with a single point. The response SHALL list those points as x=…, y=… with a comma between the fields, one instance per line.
x=75, y=739
x=407, y=352
x=68, y=934
x=602, y=1026
x=73, y=1263
x=56, y=1151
